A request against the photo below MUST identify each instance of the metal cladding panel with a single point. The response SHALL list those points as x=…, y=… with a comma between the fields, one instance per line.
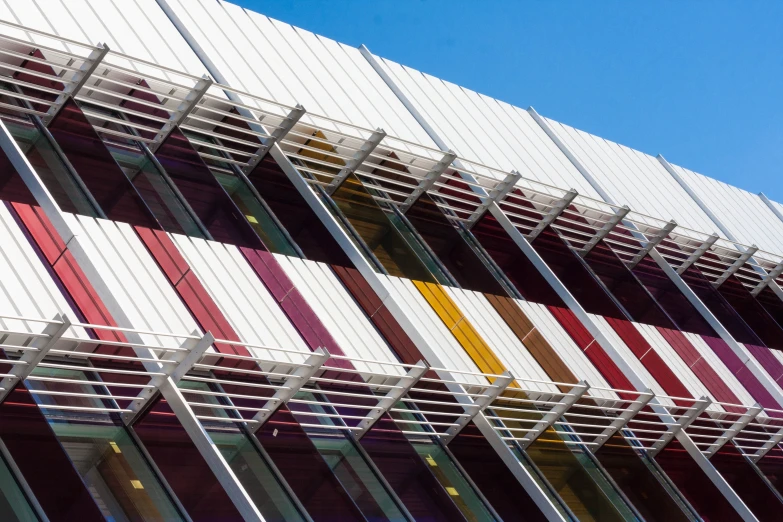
x=290, y=65
x=133, y=277
x=27, y=289
x=628, y=356
x=242, y=297
x=339, y=313
x=728, y=378
x=566, y=348
x=674, y=361
x=432, y=330
x=138, y=28
x=633, y=178
x=484, y=130
x=765, y=368
x=501, y=339
x=745, y=215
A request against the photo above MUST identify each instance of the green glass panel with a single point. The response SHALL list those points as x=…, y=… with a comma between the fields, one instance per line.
x=50, y=168
x=14, y=506
x=103, y=452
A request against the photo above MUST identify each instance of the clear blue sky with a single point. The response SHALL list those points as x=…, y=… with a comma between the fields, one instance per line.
x=699, y=81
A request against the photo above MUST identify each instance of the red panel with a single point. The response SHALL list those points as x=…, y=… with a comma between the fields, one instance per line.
x=768, y=361
x=270, y=272
x=632, y=338
x=607, y=367
x=575, y=329
x=681, y=345
x=164, y=252
x=713, y=382
x=41, y=229
x=664, y=375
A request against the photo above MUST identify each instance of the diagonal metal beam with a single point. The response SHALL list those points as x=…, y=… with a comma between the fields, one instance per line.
x=30, y=358
x=773, y=441
x=429, y=180
x=767, y=279
x=496, y=195
x=359, y=157
x=623, y=419
x=739, y=425
x=492, y=393
x=77, y=81
x=391, y=398
x=278, y=134
x=736, y=265
x=555, y=413
x=181, y=113
x=605, y=230
x=554, y=213
x=685, y=420
x=652, y=242
x=196, y=349
x=291, y=387
x=696, y=254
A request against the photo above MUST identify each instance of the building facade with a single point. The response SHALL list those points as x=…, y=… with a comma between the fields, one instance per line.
x=251, y=273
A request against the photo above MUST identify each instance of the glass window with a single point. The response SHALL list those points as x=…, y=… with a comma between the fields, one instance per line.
x=14, y=505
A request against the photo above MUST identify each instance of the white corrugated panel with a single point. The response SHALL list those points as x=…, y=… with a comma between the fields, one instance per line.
x=133, y=278
x=633, y=178
x=26, y=288
x=432, y=330
x=673, y=361
x=485, y=130
x=340, y=314
x=138, y=28
x=566, y=348
x=275, y=60
x=241, y=296
x=629, y=357
x=745, y=215
x=720, y=368
x=503, y=342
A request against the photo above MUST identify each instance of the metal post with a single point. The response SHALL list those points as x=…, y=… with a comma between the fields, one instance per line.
x=181, y=113
x=767, y=279
x=359, y=157
x=773, y=441
x=696, y=254
x=30, y=358
x=555, y=413
x=278, y=134
x=553, y=214
x=429, y=180
x=392, y=397
x=674, y=429
x=623, y=419
x=495, y=195
x=739, y=425
x=482, y=403
x=291, y=387
x=736, y=265
x=652, y=243
x=605, y=230
x=77, y=81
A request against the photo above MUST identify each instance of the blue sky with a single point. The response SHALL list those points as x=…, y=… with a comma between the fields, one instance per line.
x=700, y=81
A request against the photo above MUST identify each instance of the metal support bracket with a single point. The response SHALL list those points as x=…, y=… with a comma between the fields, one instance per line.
x=393, y=396
x=555, y=413
x=739, y=425
x=180, y=114
x=428, y=180
x=767, y=279
x=496, y=195
x=492, y=393
x=30, y=358
x=736, y=265
x=557, y=209
x=77, y=81
x=196, y=349
x=278, y=134
x=291, y=387
x=685, y=420
x=767, y=446
x=623, y=419
x=696, y=254
x=652, y=242
x=605, y=230
x=358, y=158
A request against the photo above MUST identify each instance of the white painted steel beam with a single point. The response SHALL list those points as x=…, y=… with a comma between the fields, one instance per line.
x=739, y=425
x=553, y=415
x=696, y=254
x=482, y=403
x=495, y=195
x=429, y=180
x=652, y=242
x=291, y=387
x=773, y=441
x=605, y=230
x=554, y=213
x=623, y=419
x=736, y=265
x=771, y=276
x=181, y=113
x=30, y=358
x=393, y=396
x=198, y=434
x=275, y=136
x=76, y=81
x=685, y=420
x=359, y=157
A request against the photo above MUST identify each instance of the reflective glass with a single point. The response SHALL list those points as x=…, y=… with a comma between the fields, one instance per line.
x=101, y=449
x=14, y=506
